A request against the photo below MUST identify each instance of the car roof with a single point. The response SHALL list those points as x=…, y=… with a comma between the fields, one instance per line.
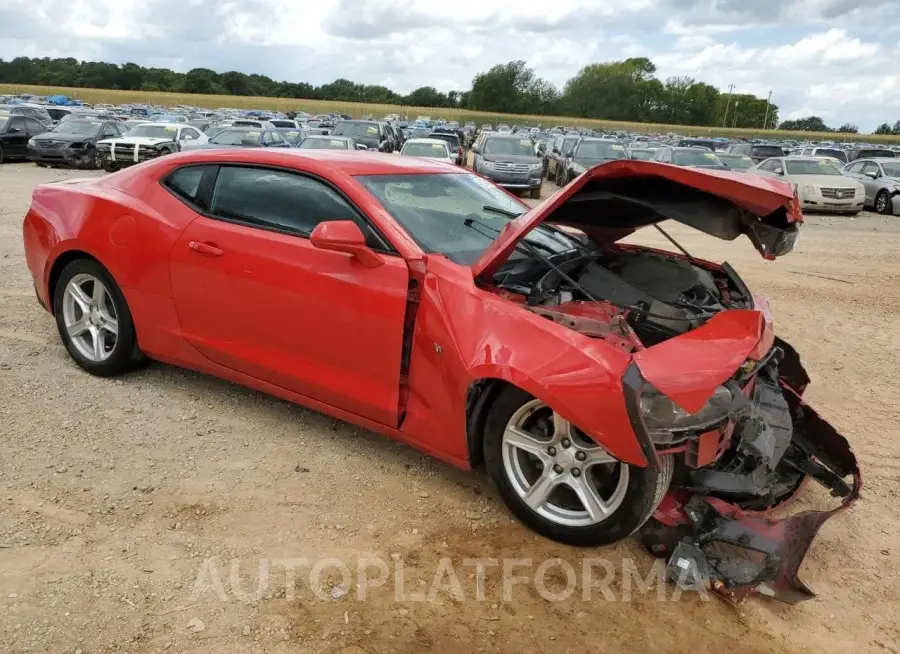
x=345, y=161
x=427, y=141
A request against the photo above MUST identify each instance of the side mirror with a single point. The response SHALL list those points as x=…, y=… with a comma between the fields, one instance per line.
x=14, y=130
x=361, y=146
x=873, y=174
x=344, y=236
x=779, y=171
x=476, y=149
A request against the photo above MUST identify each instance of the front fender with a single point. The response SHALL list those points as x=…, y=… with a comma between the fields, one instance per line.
x=464, y=335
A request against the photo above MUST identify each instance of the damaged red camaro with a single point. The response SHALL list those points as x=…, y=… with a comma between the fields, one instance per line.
x=606, y=388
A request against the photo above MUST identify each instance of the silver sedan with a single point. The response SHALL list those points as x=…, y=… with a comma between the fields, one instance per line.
x=881, y=178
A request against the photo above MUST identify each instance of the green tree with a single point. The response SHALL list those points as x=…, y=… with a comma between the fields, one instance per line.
x=849, y=128
x=512, y=88
x=883, y=128
x=235, y=83
x=809, y=124
x=201, y=80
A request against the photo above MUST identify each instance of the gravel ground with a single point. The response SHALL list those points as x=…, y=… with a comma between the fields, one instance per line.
x=117, y=497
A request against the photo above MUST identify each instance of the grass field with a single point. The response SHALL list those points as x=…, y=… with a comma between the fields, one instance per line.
x=378, y=110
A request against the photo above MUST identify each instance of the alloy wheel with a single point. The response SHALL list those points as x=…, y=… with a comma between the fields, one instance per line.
x=90, y=319
x=559, y=472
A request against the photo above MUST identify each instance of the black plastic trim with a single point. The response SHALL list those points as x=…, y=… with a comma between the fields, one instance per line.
x=632, y=381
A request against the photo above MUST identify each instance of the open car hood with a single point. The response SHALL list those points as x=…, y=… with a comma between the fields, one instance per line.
x=614, y=199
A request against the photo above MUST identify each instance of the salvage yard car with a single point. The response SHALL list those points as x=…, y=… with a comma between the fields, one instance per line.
x=329, y=143
x=820, y=186
x=146, y=141
x=881, y=180
x=73, y=143
x=15, y=132
x=588, y=153
x=511, y=162
x=429, y=148
x=591, y=378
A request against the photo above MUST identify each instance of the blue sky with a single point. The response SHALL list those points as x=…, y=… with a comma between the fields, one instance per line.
x=832, y=58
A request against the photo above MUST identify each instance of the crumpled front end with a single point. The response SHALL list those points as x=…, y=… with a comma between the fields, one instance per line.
x=118, y=154
x=712, y=526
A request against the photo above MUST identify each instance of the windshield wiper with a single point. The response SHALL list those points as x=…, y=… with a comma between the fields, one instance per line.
x=502, y=212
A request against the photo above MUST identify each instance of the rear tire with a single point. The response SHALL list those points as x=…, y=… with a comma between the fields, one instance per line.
x=2, y=156
x=535, y=193
x=94, y=321
x=519, y=435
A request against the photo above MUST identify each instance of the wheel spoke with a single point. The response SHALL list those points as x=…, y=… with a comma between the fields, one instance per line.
x=596, y=507
x=99, y=349
x=78, y=327
x=540, y=491
x=526, y=442
x=80, y=297
x=562, y=428
x=111, y=325
x=99, y=295
x=597, y=455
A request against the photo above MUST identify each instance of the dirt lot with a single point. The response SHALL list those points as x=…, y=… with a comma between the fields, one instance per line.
x=117, y=495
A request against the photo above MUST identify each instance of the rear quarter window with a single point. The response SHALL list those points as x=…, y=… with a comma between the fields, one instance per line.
x=184, y=183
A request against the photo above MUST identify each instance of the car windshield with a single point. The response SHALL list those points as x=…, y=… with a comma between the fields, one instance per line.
x=451, y=139
x=292, y=136
x=891, y=169
x=432, y=150
x=87, y=128
x=643, y=155
x=236, y=137
x=810, y=167
x=600, y=150
x=767, y=151
x=695, y=157
x=356, y=131
x=282, y=123
x=511, y=147
x=435, y=208
x=318, y=143
x=154, y=131
x=568, y=144
x=739, y=161
x=832, y=152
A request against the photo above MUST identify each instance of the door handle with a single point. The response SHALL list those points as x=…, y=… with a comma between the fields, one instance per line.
x=205, y=248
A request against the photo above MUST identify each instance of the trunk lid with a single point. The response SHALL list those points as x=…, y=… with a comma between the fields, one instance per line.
x=611, y=201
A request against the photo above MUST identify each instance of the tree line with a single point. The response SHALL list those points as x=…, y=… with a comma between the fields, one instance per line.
x=619, y=90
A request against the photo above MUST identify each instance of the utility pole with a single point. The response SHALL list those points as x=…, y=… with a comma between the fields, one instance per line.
x=768, y=104
x=737, y=105
x=727, y=105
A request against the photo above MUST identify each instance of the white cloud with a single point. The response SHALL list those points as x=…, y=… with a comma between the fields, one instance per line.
x=833, y=58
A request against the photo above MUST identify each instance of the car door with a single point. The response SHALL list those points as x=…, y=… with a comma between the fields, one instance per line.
x=16, y=142
x=871, y=185
x=254, y=295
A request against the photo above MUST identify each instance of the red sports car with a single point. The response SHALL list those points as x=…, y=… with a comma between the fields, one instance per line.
x=422, y=302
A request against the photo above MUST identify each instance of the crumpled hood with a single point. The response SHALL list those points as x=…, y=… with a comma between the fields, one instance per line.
x=613, y=200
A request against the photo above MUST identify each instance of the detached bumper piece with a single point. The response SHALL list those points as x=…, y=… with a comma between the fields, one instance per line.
x=713, y=529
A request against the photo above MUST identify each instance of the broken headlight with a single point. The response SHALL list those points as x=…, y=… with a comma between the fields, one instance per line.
x=662, y=414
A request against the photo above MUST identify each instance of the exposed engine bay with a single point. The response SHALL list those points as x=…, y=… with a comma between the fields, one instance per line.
x=657, y=295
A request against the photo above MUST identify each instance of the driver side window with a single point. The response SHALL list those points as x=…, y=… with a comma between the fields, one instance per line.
x=282, y=201
x=869, y=168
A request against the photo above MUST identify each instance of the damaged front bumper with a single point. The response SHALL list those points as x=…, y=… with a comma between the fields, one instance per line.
x=712, y=526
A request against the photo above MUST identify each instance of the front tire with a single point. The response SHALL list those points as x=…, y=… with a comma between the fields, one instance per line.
x=883, y=203
x=560, y=483
x=94, y=321
x=535, y=193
